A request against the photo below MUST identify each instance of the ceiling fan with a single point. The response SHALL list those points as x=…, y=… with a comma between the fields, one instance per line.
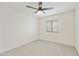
x=40, y=8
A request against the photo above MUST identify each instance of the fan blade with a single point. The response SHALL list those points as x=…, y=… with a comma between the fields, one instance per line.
x=35, y=11
x=47, y=8
x=31, y=7
x=40, y=4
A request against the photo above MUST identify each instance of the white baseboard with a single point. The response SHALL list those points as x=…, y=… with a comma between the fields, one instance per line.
x=58, y=42
x=77, y=48
x=23, y=43
x=15, y=46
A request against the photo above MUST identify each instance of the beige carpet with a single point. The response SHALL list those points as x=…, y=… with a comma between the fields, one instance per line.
x=42, y=48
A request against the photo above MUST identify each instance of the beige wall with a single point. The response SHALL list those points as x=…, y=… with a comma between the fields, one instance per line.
x=66, y=28
x=16, y=28
x=77, y=27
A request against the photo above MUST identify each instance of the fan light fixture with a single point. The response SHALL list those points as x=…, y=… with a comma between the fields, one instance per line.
x=40, y=9
x=39, y=12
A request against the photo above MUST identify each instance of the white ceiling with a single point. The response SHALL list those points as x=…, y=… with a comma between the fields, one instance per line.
x=58, y=6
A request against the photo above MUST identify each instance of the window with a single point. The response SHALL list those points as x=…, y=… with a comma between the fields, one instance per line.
x=52, y=25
